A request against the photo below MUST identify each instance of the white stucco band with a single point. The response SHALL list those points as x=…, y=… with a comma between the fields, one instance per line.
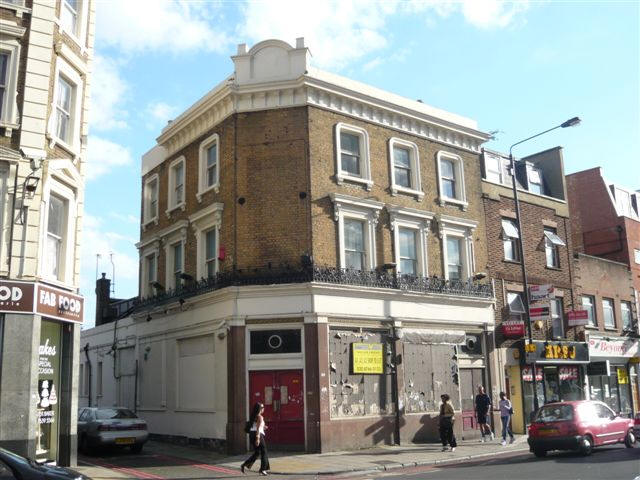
x=275, y=75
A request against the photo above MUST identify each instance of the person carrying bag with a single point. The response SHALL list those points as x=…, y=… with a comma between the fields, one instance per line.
x=256, y=429
x=446, y=424
x=506, y=410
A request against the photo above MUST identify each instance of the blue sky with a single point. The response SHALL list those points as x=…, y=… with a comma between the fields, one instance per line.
x=515, y=67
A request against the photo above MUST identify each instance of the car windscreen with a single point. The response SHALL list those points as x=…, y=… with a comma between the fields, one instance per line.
x=555, y=413
x=114, y=413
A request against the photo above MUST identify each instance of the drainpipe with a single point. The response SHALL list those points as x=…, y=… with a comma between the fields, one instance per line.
x=86, y=353
x=13, y=219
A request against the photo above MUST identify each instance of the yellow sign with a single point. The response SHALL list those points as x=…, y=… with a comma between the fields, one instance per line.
x=367, y=358
x=622, y=375
x=559, y=351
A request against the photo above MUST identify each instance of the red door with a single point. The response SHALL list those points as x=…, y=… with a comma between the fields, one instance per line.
x=282, y=394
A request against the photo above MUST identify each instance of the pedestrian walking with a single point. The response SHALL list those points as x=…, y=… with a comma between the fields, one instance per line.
x=256, y=432
x=446, y=424
x=506, y=410
x=483, y=408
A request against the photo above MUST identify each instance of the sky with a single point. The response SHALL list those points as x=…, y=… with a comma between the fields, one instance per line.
x=517, y=68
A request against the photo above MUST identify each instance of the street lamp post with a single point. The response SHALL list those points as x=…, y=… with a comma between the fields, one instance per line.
x=512, y=165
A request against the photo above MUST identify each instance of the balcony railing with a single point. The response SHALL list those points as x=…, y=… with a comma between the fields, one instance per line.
x=318, y=274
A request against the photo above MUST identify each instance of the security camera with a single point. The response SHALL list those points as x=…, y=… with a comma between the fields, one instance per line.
x=470, y=343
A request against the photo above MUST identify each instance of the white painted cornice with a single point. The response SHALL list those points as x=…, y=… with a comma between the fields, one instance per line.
x=11, y=29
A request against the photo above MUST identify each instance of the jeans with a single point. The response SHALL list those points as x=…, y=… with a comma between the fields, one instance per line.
x=506, y=427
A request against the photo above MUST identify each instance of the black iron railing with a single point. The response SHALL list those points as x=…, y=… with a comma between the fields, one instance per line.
x=319, y=274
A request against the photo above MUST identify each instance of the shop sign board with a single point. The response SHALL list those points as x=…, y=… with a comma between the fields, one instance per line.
x=367, y=358
x=539, y=311
x=34, y=297
x=541, y=292
x=577, y=317
x=556, y=352
x=623, y=376
x=513, y=329
x=614, y=347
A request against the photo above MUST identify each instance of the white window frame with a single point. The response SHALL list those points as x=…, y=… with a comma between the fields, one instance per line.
x=488, y=171
x=80, y=33
x=458, y=166
x=414, y=163
x=202, y=166
x=151, y=249
x=556, y=311
x=74, y=78
x=636, y=255
x=68, y=253
x=510, y=234
x=150, y=276
x=552, y=243
x=605, y=301
x=515, y=300
x=625, y=305
x=10, y=45
x=365, y=164
x=202, y=222
x=178, y=235
x=364, y=210
x=590, y=307
x=535, y=170
x=147, y=200
x=174, y=203
x=461, y=228
x=417, y=220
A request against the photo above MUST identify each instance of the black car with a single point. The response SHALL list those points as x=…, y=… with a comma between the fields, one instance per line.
x=13, y=466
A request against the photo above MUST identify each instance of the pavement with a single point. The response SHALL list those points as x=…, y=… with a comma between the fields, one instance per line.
x=382, y=458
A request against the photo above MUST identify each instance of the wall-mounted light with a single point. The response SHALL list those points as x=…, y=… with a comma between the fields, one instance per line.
x=147, y=349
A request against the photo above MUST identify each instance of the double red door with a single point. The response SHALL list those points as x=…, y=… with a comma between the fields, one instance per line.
x=281, y=392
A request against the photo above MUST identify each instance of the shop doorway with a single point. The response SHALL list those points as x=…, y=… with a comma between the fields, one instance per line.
x=281, y=392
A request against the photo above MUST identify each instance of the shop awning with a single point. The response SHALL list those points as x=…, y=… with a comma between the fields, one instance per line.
x=419, y=336
x=554, y=239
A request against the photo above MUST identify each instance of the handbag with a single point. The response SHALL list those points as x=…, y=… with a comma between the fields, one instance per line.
x=510, y=410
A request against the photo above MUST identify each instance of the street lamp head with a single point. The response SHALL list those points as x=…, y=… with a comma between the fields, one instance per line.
x=572, y=122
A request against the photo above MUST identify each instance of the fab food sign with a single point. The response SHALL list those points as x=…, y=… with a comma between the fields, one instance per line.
x=33, y=297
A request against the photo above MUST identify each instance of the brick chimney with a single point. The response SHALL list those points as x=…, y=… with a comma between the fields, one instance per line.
x=103, y=299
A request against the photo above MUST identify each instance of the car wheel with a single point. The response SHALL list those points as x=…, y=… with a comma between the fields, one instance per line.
x=137, y=448
x=538, y=452
x=586, y=445
x=629, y=439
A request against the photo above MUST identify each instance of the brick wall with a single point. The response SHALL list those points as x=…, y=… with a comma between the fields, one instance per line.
x=508, y=274
x=602, y=278
x=323, y=169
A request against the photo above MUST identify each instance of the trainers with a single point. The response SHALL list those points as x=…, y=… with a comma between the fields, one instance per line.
x=453, y=449
x=482, y=440
x=513, y=439
x=444, y=449
x=492, y=436
x=503, y=443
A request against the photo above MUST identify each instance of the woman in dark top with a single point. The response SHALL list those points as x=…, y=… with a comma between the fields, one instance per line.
x=256, y=438
x=446, y=424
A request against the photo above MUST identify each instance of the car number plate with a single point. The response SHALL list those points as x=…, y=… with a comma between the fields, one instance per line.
x=125, y=441
x=547, y=432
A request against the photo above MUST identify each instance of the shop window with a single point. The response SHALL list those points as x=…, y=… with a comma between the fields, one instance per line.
x=264, y=342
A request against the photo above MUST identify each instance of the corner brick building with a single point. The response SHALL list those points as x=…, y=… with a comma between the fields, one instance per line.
x=548, y=252
x=46, y=50
x=310, y=242
x=605, y=224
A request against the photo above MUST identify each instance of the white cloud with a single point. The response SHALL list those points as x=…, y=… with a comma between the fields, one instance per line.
x=108, y=91
x=159, y=113
x=338, y=33
x=125, y=218
x=174, y=26
x=103, y=156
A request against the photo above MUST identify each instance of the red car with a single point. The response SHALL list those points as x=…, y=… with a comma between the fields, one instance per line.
x=578, y=425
